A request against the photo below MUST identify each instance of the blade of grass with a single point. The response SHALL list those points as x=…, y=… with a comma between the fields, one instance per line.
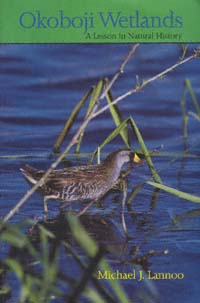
x=176, y=192
x=184, y=115
x=70, y=121
x=184, y=48
x=154, y=198
x=93, y=296
x=134, y=192
x=190, y=214
x=193, y=96
x=84, y=240
x=194, y=115
x=101, y=288
x=154, y=173
x=16, y=267
x=16, y=238
x=94, y=96
x=114, y=110
x=5, y=290
x=86, y=277
x=114, y=133
x=83, y=155
x=109, y=138
x=116, y=286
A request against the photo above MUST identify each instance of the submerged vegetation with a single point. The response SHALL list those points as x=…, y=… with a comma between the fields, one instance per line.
x=33, y=256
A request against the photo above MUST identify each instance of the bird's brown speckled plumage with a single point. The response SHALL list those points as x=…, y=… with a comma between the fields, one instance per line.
x=89, y=182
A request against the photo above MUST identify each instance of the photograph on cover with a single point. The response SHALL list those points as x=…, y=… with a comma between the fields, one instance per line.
x=99, y=164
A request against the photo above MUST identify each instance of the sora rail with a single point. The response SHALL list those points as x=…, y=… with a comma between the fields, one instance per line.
x=79, y=183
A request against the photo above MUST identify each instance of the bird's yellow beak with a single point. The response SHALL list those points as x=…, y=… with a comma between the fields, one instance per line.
x=136, y=158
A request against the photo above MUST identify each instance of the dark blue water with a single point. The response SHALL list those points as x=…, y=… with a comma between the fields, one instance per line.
x=40, y=85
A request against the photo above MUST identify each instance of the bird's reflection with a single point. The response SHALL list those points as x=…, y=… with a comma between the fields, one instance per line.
x=100, y=228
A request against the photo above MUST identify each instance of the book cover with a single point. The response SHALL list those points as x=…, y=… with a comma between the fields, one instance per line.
x=99, y=157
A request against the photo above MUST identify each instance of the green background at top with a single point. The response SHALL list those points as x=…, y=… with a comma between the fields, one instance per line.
x=12, y=32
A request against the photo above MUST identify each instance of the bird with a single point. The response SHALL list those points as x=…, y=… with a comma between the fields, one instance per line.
x=79, y=183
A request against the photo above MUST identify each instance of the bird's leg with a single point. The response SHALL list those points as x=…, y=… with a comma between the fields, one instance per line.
x=82, y=211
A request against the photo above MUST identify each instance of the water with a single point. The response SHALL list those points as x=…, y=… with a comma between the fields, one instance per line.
x=40, y=85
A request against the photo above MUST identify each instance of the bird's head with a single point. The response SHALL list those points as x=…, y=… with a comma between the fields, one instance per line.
x=122, y=156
